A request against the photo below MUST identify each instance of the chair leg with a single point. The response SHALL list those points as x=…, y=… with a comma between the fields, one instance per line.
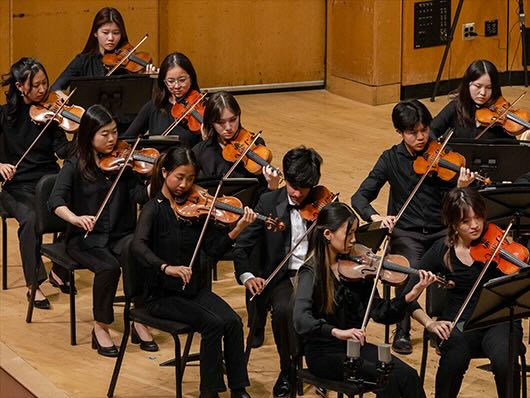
x=119, y=360
x=34, y=286
x=73, y=334
x=250, y=336
x=178, y=366
x=424, y=353
x=4, y=254
x=186, y=353
x=523, y=376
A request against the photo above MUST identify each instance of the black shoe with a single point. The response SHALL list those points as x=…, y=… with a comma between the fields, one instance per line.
x=401, y=343
x=321, y=392
x=43, y=304
x=258, y=338
x=111, y=351
x=239, y=393
x=282, y=387
x=144, y=345
x=208, y=394
x=64, y=287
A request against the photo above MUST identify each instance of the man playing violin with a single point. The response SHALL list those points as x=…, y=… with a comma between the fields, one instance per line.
x=301, y=168
x=420, y=225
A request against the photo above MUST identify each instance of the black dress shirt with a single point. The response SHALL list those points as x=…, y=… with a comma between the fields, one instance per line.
x=15, y=139
x=350, y=304
x=156, y=121
x=395, y=166
x=462, y=275
x=163, y=238
x=448, y=118
x=84, y=197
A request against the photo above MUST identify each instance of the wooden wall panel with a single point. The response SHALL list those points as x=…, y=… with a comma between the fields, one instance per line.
x=54, y=31
x=421, y=65
x=5, y=44
x=241, y=42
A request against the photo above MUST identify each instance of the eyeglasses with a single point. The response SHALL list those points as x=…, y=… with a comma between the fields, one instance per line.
x=177, y=82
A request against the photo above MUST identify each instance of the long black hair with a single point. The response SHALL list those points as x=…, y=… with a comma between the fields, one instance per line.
x=332, y=217
x=169, y=161
x=92, y=120
x=103, y=16
x=215, y=106
x=22, y=71
x=162, y=94
x=465, y=106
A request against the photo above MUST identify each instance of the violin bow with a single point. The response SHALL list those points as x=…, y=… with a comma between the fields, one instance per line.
x=115, y=183
x=479, y=278
x=110, y=72
x=210, y=210
x=288, y=255
x=504, y=113
x=50, y=120
x=191, y=107
x=448, y=134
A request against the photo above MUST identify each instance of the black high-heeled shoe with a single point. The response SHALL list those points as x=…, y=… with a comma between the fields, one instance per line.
x=150, y=346
x=64, y=287
x=43, y=304
x=111, y=351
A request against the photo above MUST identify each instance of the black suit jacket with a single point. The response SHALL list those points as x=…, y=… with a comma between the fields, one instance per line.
x=275, y=245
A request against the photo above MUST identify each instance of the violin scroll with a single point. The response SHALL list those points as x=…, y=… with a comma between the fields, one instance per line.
x=274, y=224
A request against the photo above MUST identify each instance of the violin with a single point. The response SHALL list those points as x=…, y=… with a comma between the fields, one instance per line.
x=448, y=165
x=68, y=118
x=194, y=117
x=142, y=161
x=513, y=121
x=126, y=57
x=228, y=209
x=256, y=158
x=362, y=264
x=511, y=257
x=318, y=197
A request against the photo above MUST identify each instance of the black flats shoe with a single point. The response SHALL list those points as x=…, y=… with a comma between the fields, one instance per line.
x=402, y=344
x=239, y=393
x=282, y=387
x=64, y=287
x=150, y=346
x=111, y=351
x=43, y=304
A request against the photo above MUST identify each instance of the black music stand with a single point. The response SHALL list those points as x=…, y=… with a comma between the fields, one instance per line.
x=122, y=95
x=504, y=299
x=245, y=189
x=371, y=235
x=506, y=202
x=161, y=143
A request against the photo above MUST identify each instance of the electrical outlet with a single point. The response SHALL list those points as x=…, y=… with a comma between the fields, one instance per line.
x=491, y=27
x=468, y=31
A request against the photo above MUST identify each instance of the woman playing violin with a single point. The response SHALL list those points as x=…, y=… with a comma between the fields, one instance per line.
x=480, y=87
x=222, y=124
x=176, y=79
x=164, y=243
x=28, y=85
x=328, y=311
x=79, y=190
x=106, y=35
x=464, y=213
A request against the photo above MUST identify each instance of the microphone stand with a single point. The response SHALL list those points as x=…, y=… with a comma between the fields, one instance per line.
x=522, y=28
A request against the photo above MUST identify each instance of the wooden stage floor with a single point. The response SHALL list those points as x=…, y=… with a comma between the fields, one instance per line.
x=350, y=136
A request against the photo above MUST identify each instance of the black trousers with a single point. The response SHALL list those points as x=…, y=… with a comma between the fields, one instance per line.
x=461, y=347
x=413, y=246
x=19, y=201
x=327, y=361
x=104, y=262
x=215, y=320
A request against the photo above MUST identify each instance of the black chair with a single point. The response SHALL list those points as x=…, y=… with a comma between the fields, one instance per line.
x=56, y=251
x=300, y=375
x=434, y=304
x=4, y=215
x=133, y=288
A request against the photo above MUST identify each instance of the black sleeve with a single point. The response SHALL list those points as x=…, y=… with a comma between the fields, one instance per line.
x=305, y=323
x=217, y=242
x=74, y=69
x=61, y=146
x=432, y=261
x=246, y=242
x=141, y=246
x=136, y=187
x=62, y=189
x=386, y=311
x=445, y=119
x=140, y=124
x=369, y=189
